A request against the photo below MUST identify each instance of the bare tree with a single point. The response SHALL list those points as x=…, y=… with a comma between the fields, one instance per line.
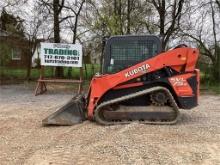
x=33, y=24
x=9, y=4
x=204, y=31
x=216, y=54
x=218, y=3
x=55, y=7
x=73, y=10
x=170, y=13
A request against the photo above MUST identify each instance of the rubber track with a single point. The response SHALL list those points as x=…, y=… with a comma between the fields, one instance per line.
x=137, y=94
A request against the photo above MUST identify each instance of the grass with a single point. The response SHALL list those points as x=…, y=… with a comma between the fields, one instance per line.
x=15, y=73
x=20, y=73
x=213, y=88
x=208, y=84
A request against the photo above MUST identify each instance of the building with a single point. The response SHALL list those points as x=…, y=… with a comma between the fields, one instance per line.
x=14, y=50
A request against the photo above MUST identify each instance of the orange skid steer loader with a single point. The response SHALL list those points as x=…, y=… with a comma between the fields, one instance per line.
x=138, y=83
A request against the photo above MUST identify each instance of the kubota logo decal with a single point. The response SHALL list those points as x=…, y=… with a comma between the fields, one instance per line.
x=133, y=72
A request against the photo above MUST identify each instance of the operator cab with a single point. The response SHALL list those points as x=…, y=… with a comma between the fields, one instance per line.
x=124, y=51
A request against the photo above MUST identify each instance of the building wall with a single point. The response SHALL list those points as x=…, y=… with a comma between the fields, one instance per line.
x=14, y=45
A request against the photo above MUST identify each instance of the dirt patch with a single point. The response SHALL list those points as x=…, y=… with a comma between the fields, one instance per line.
x=195, y=139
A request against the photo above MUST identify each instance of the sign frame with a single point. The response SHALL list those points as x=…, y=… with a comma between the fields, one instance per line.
x=59, y=54
x=42, y=81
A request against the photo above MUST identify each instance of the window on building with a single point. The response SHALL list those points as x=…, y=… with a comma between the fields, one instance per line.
x=16, y=54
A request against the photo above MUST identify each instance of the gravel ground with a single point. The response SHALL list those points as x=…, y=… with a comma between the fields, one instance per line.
x=23, y=140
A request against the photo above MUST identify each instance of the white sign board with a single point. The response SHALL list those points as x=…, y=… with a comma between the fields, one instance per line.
x=57, y=54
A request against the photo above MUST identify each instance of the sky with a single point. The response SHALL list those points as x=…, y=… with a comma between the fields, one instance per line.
x=26, y=12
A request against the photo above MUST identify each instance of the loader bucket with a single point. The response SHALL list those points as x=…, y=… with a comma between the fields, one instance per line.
x=69, y=114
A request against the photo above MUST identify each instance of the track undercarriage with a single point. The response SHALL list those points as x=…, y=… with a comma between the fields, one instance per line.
x=112, y=112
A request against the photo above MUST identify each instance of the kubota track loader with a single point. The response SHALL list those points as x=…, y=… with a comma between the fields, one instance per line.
x=138, y=83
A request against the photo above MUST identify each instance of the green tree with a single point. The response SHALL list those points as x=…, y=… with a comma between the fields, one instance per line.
x=5, y=53
x=12, y=24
